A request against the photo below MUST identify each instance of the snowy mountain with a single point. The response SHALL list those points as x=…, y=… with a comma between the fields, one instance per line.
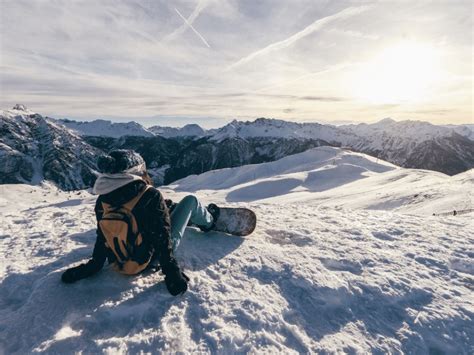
x=273, y=128
x=416, y=144
x=466, y=130
x=411, y=144
x=34, y=148
x=189, y=130
x=104, y=128
x=346, y=258
x=174, y=153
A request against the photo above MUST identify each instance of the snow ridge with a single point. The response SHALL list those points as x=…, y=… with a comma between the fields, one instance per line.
x=105, y=128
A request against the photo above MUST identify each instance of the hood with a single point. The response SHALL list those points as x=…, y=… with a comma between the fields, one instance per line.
x=124, y=193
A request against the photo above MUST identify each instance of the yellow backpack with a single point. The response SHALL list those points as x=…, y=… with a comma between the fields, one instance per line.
x=120, y=229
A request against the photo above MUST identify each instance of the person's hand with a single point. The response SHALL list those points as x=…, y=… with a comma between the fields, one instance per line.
x=70, y=275
x=176, y=282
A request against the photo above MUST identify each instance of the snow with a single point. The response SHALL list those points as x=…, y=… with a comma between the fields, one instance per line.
x=417, y=131
x=105, y=128
x=189, y=130
x=466, y=130
x=329, y=176
x=324, y=272
x=264, y=127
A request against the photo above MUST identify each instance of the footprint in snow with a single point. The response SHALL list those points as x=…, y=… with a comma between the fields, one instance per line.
x=462, y=265
x=353, y=267
x=284, y=237
x=389, y=234
x=431, y=263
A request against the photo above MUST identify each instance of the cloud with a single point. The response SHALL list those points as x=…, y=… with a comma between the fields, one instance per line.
x=130, y=58
x=315, y=26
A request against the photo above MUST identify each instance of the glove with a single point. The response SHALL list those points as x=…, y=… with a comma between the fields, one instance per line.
x=70, y=275
x=176, y=282
x=170, y=204
x=82, y=271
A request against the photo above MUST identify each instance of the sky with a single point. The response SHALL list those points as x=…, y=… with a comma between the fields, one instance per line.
x=212, y=61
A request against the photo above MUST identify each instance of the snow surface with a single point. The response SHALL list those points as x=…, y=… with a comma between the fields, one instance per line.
x=329, y=176
x=314, y=277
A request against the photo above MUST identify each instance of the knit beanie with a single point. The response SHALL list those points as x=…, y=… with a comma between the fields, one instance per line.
x=119, y=160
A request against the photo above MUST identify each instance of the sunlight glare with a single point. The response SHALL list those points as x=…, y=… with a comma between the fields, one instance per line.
x=402, y=73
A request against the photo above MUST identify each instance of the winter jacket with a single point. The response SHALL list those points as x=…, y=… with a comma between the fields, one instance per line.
x=153, y=222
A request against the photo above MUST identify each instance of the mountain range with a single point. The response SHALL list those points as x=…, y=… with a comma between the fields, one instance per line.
x=410, y=144
x=34, y=147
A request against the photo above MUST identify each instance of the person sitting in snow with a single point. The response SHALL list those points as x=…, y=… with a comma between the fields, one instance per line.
x=135, y=229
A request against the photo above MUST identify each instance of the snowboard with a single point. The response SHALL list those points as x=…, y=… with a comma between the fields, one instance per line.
x=237, y=221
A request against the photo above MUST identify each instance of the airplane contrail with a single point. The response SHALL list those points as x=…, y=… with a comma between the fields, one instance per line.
x=191, y=27
x=194, y=15
x=316, y=25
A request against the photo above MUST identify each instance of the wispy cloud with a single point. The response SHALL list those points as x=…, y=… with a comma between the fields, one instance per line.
x=126, y=57
x=315, y=26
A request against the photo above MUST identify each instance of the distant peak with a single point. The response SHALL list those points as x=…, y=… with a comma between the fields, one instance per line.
x=20, y=107
x=387, y=120
x=192, y=125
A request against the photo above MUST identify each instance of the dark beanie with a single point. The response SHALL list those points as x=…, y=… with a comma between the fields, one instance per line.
x=118, y=160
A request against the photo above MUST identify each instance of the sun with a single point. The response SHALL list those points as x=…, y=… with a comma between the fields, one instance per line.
x=404, y=72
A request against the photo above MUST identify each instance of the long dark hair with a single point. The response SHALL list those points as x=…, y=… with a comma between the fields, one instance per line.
x=147, y=178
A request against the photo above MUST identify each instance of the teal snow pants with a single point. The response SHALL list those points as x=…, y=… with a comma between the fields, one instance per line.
x=189, y=209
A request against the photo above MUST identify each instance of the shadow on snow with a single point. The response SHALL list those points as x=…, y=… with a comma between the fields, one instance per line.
x=36, y=306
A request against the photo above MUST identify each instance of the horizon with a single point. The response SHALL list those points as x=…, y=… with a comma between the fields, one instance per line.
x=209, y=62
x=171, y=121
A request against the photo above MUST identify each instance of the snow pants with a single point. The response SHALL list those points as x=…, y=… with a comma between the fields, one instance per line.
x=189, y=209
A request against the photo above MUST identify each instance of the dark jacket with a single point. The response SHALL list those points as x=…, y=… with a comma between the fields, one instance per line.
x=153, y=221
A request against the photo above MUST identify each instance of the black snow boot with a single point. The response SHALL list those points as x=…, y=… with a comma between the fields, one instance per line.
x=214, y=210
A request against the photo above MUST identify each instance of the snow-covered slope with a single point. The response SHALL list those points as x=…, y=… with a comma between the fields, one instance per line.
x=328, y=176
x=105, y=128
x=312, y=278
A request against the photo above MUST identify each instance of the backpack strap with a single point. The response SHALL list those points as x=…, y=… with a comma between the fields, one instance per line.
x=132, y=203
x=129, y=205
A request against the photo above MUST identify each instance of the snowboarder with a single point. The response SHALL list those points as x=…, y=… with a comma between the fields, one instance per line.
x=134, y=228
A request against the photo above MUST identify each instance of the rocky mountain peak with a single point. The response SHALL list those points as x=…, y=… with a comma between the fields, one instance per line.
x=20, y=107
